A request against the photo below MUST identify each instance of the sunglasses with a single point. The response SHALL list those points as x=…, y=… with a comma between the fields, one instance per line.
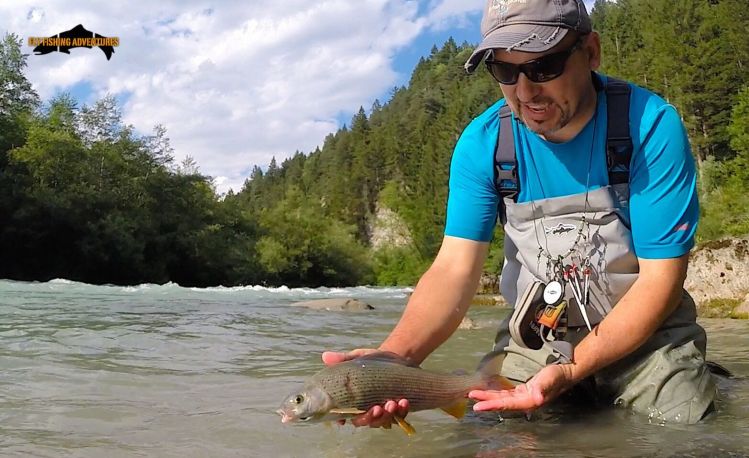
x=539, y=70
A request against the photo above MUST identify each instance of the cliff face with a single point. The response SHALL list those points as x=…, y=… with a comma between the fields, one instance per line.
x=719, y=272
x=388, y=229
x=719, y=269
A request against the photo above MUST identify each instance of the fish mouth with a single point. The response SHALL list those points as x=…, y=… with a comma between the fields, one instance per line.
x=285, y=418
x=288, y=418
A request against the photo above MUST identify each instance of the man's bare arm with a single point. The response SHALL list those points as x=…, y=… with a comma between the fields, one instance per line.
x=440, y=300
x=652, y=298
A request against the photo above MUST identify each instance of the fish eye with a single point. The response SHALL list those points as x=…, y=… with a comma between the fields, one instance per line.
x=298, y=399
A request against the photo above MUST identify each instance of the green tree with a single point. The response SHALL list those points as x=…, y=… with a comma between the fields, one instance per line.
x=16, y=93
x=302, y=247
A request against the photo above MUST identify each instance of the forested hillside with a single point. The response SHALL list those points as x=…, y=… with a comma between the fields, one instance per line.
x=83, y=197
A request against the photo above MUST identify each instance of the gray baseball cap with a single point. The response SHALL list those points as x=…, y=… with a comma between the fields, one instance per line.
x=527, y=25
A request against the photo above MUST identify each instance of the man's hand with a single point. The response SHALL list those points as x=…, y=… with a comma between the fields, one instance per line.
x=377, y=416
x=546, y=385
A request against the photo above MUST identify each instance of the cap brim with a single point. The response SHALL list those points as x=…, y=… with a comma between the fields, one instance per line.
x=517, y=37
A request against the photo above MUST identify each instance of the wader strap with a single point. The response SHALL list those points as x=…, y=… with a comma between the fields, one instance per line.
x=505, y=162
x=618, y=145
x=618, y=139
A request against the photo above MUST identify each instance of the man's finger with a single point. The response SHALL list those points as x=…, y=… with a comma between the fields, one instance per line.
x=486, y=395
x=368, y=417
x=400, y=408
x=390, y=407
x=333, y=357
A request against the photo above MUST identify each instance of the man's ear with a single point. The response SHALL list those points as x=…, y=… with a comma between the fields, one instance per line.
x=593, y=50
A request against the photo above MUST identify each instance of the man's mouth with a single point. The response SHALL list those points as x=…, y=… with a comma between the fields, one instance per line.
x=536, y=112
x=537, y=108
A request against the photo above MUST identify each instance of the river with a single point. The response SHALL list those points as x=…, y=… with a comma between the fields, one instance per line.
x=167, y=371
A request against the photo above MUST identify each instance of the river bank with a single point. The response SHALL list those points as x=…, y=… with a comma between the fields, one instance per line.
x=717, y=279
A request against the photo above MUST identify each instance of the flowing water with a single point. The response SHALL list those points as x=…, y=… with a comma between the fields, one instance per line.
x=167, y=371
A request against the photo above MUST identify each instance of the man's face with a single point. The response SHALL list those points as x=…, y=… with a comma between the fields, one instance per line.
x=557, y=109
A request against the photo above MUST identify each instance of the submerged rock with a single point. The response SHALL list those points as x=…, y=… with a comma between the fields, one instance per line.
x=468, y=323
x=339, y=304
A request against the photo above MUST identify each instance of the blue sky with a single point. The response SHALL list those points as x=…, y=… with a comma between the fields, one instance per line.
x=234, y=82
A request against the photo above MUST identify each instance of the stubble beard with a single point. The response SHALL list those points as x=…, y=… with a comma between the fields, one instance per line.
x=542, y=129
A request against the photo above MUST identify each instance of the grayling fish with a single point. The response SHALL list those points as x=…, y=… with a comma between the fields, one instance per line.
x=352, y=387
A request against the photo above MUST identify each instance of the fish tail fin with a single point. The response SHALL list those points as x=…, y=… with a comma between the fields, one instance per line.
x=499, y=383
x=457, y=409
x=490, y=368
x=406, y=426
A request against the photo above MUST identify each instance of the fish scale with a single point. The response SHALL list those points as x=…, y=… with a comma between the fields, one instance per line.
x=364, y=384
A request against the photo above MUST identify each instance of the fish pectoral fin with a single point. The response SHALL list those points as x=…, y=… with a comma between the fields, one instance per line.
x=457, y=409
x=347, y=411
x=405, y=426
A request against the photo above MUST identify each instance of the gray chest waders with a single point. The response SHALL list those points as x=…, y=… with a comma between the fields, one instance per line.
x=666, y=378
x=557, y=222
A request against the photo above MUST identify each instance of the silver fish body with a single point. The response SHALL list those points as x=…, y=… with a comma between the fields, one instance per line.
x=354, y=386
x=362, y=384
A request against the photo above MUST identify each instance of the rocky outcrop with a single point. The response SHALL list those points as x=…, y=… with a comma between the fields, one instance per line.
x=719, y=270
x=388, y=230
x=341, y=305
x=488, y=284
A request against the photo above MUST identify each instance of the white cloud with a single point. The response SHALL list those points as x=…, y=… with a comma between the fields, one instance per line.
x=235, y=83
x=445, y=14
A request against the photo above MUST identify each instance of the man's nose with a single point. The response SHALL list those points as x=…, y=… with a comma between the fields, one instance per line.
x=525, y=89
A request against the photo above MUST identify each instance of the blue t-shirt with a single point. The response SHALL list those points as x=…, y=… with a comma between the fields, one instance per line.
x=663, y=197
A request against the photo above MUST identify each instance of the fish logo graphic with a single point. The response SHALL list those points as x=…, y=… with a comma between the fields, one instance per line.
x=77, y=37
x=560, y=228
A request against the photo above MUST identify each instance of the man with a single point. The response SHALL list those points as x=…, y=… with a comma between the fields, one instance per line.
x=612, y=256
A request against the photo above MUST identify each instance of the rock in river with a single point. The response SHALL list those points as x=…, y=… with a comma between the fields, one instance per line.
x=342, y=304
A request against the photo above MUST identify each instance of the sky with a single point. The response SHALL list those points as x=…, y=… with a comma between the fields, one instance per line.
x=236, y=83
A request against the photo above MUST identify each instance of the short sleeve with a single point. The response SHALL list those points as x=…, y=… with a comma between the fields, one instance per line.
x=472, y=199
x=663, y=194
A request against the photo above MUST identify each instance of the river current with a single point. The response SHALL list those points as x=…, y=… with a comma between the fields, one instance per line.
x=167, y=371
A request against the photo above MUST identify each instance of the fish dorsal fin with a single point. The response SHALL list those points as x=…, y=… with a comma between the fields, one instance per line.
x=388, y=357
x=458, y=409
